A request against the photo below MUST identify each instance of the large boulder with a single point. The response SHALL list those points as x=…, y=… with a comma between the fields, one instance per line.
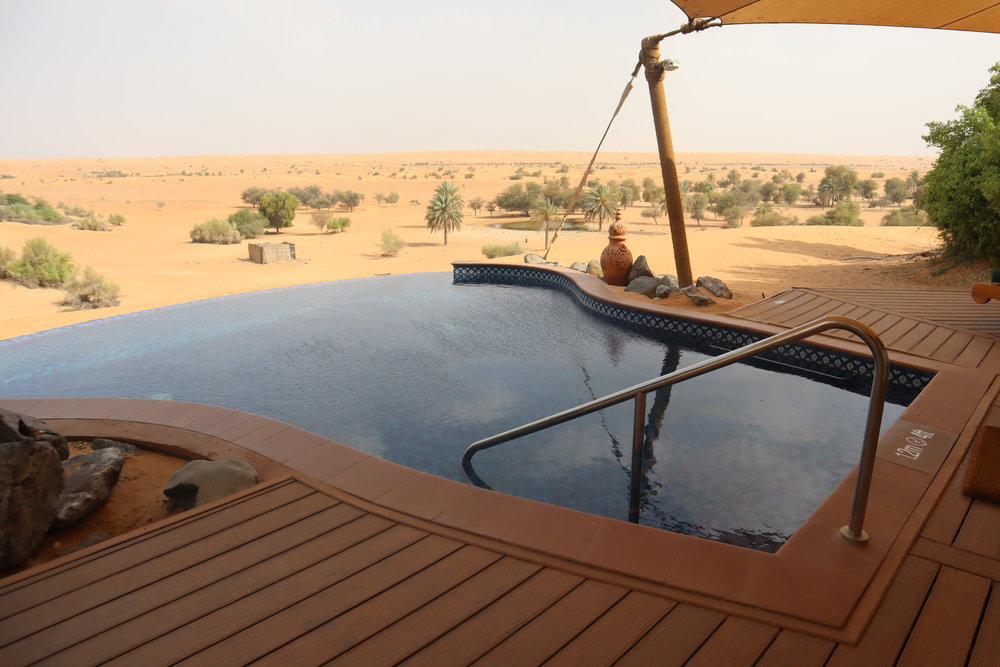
x=697, y=297
x=532, y=258
x=640, y=268
x=715, y=286
x=643, y=285
x=670, y=282
x=15, y=426
x=31, y=479
x=594, y=268
x=578, y=266
x=200, y=482
x=90, y=479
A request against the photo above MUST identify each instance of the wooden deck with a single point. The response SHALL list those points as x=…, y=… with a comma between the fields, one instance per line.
x=945, y=326
x=340, y=557
x=288, y=573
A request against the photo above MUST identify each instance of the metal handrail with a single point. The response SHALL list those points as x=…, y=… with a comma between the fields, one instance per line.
x=853, y=531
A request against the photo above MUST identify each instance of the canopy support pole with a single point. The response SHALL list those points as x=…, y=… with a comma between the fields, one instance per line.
x=650, y=59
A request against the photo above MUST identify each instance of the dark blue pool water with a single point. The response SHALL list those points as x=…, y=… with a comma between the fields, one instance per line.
x=414, y=368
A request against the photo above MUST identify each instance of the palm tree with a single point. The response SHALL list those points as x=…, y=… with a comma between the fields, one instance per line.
x=599, y=203
x=444, y=212
x=545, y=212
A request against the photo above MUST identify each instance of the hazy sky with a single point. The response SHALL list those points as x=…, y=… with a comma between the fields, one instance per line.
x=113, y=78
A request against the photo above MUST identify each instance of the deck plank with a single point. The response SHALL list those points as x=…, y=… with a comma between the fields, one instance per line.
x=944, y=632
x=795, y=648
x=353, y=545
x=325, y=641
x=987, y=646
x=401, y=639
x=674, y=639
x=614, y=633
x=541, y=637
x=737, y=642
x=886, y=634
x=471, y=640
x=980, y=532
x=195, y=630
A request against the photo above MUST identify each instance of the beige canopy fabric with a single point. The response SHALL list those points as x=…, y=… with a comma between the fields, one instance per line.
x=974, y=15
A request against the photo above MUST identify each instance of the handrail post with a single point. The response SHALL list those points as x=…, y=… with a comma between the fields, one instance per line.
x=635, y=476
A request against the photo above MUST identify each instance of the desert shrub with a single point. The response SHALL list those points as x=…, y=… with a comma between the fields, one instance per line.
x=844, y=214
x=321, y=219
x=217, y=231
x=492, y=250
x=391, y=243
x=92, y=224
x=415, y=202
x=767, y=216
x=338, y=224
x=13, y=198
x=41, y=265
x=78, y=211
x=45, y=211
x=116, y=219
x=90, y=291
x=7, y=257
x=905, y=217
x=19, y=212
x=160, y=203
x=878, y=174
x=248, y=222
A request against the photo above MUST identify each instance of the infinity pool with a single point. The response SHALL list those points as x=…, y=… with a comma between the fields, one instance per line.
x=414, y=368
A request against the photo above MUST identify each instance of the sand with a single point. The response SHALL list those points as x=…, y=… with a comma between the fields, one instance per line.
x=153, y=260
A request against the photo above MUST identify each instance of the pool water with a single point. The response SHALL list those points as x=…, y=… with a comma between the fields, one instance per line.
x=414, y=368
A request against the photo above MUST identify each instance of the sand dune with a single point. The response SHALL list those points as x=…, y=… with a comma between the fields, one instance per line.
x=155, y=263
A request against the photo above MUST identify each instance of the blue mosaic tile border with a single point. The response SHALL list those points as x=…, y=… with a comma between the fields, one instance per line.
x=905, y=383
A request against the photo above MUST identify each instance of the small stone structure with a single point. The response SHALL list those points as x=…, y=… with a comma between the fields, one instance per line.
x=269, y=253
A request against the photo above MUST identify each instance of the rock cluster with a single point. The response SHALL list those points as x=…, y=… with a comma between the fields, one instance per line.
x=660, y=286
x=42, y=488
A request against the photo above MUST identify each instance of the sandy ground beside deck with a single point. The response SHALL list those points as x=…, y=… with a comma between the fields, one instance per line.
x=153, y=260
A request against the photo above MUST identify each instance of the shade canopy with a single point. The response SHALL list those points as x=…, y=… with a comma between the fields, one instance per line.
x=974, y=15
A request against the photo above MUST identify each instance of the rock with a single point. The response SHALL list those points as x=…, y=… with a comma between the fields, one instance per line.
x=15, y=427
x=671, y=282
x=201, y=482
x=89, y=541
x=532, y=258
x=643, y=285
x=594, y=268
x=697, y=297
x=715, y=286
x=105, y=443
x=578, y=266
x=90, y=479
x=663, y=291
x=640, y=268
x=31, y=479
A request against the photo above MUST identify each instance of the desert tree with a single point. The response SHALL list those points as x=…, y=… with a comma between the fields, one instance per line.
x=545, y=213
x=279, y=209
x=351, y=199
x=444, y=211
x=868, y=188
x=961, y=194
x=895, y=190
x=476, y=203
x=252, y=196
x=392, y=198
x=491, y=206
x=599, y=204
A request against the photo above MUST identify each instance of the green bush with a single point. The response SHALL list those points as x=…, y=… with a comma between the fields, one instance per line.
x=90, y=291
x=492, y=250
x=19, y=212
x=116, y=219
x=391, y=243
x=92, y=224
x=78, y=211
x=844, y=214
x=7, y=257
x=905, y=217
x=248, y=222
x=217, y=231
x=45, y=210
x=41, y=265
x=767, y=216
x=338, y=224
